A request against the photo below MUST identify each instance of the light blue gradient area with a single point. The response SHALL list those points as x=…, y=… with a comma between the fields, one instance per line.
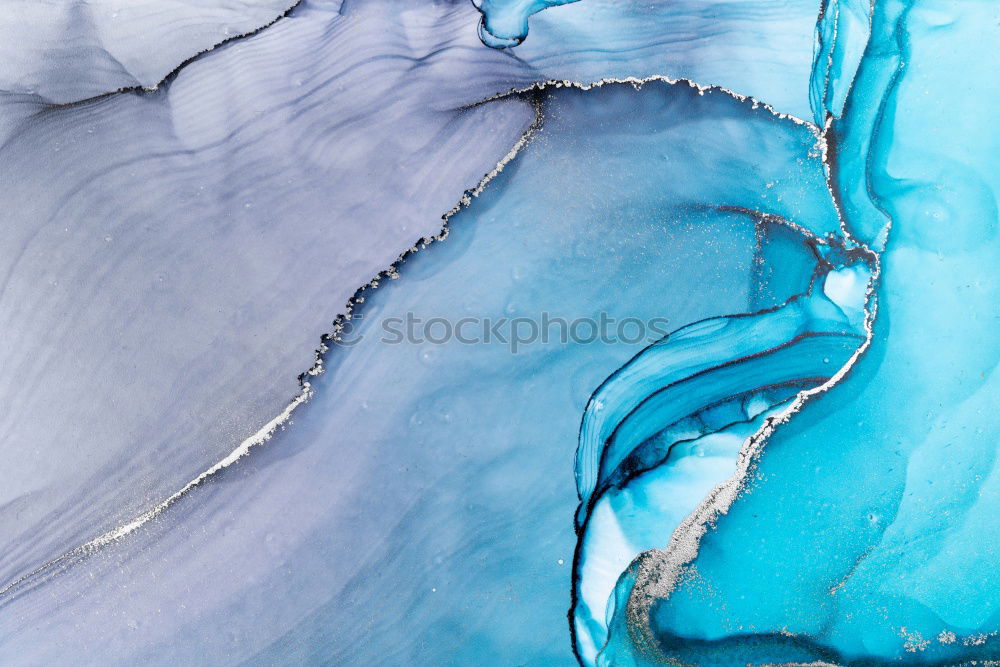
x=869, y=535
x=759, y=48
x=842, y=33
x=505, y=22
x=484, y=553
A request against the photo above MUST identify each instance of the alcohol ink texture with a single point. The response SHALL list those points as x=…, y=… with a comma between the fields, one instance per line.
x=802, y=470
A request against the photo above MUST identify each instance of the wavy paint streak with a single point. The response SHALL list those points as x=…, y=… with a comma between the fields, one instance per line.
x=707, y=364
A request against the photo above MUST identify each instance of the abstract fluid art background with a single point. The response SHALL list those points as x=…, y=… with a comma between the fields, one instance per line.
x=277, y=284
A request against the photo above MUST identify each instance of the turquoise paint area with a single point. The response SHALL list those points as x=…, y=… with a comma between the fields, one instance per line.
x=505, y=22
x=668, y=427
x=869, y=532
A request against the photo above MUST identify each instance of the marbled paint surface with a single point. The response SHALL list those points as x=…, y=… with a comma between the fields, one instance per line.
x=796, y=465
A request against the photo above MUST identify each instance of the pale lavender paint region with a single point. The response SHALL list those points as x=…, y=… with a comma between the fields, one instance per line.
x=175, y=256
x=172, y=259
x=67, y=50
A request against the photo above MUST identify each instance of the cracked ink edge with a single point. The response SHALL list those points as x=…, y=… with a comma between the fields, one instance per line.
x=306, y=391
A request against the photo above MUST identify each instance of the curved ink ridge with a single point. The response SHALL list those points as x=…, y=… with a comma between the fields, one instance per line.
x=792, y=461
